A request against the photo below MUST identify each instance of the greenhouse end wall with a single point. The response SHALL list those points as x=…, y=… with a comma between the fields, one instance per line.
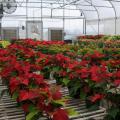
x=106, y=26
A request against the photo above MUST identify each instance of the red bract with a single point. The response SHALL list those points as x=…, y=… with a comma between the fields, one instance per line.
x=33, y=94
x=96, y=97
x=24, y=80
x=57, y=95
x=38, y=79
x=49, y=108
x=23, y=95
x=60, y=114
x=30, y=53
x=113, y=63
x=95, y=72
x=6, y=71
x=30, y=42
x=27, y=95
x=63, y=73
x=118, y=74
x=117, y=82
x=17, y=66
x=62, y=58
x=26, y=107
x=13, y=84
x=84, y=63
x=72, y=76
x=84, y=72
x=73, y=64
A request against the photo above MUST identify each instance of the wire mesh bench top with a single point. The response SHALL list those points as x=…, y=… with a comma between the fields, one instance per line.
x=10, y=111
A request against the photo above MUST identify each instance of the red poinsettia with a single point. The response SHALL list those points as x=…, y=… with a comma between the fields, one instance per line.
x=60, y=114
x=95, y=71
x=13, y=84
x=96, y=97
x=27, y=95
x=25, y=107
x=117, y=82
x=56, y=95
x=118, y=74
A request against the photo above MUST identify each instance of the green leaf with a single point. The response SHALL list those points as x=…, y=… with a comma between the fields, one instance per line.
x=68, y=70
x=67, y=97
x=93, y=107
x=32, y=108
x=82, y=95
x=31, y=115
x=5, y=43
x=66, y=81
x=60, y=102
x=55, y=69
x=71, y=112
x=113, y=90
x=113, y=112
x=15, y=95
x=100, y=85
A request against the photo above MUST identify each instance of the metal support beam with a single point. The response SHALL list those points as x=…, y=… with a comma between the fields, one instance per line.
x=26, y=18
x=68, y=3
x=84, y=21
x=42, y=19
x=63, y=19
x=115, y=16
x=97, y=14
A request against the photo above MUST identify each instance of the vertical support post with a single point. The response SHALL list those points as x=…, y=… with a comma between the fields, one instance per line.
x=1, y=15
x=26, y=18
x=84, y=21
x=90, y=2
x=98, y=26
x=98, y=20
x=115, y=16
x=115, y=25
x=51, y=14
x=41, y=20
x=0, y=29
x=85, y=26
x=63, y=19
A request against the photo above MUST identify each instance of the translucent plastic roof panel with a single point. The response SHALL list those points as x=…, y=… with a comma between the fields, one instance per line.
x=92, y=9
x=89, y=8
x=117, y=8
x=90, y=15
x=106, y=13
x=101, y=3
x=83, y=2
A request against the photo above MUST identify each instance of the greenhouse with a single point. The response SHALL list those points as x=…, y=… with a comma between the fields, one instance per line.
x=59, y=59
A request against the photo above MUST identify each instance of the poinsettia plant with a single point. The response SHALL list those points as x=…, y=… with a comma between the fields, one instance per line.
x=90, y=71
x=20, y=73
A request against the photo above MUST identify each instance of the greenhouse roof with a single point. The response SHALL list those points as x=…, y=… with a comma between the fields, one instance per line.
x=91, y=9
x=94, y=13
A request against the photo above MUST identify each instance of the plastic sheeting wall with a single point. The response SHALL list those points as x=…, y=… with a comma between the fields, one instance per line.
x=92, y=11
x=118, y=26
x=72, y=28
x=106, y=26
